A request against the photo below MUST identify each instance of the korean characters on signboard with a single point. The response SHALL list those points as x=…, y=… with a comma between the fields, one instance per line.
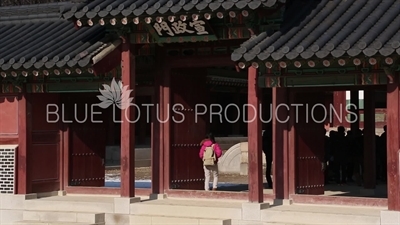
x=181, y=28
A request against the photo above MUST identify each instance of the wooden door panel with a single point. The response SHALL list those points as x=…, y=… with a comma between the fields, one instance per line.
x=187, y=89
x=309, y=144
x=88, y=148
x=87, y=142
x=45, y=145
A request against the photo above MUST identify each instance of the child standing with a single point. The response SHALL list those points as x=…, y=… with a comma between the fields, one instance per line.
x=208, y=142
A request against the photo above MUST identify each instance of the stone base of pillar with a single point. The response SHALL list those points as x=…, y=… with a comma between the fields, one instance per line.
x=367, y=192
x=252, y=211
x=158, y=196
x=30, y=196
x=62, y=193
x=283, y=201
x=390, y=217
x=122, y=205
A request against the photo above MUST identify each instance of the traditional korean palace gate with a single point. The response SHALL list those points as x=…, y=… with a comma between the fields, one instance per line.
x=188, y=31
x=157, y=45
x=316, y=49
x=324, y=52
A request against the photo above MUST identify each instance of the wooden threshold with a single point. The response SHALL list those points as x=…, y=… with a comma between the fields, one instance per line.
x=104, y=191
x=227, y=195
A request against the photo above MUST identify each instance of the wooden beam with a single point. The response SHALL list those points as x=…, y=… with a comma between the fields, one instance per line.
x=108, y=62
x=22, y=179
x=339, y=88
x=9, y=140
x=393, y=142
x=127, y=127
x=254, y=139
x=200, y=61
x=369, y=140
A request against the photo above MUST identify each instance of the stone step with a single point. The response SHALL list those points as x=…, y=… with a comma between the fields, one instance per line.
x=246, y=222
x=189, y=209
x=68, y=204
x=71, y=217
x=286, y=224
x=33, y=222
x=173, y=220
x=316, y=215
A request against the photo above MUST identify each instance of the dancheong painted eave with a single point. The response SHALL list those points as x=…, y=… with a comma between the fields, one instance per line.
x=35, y=40
x=329, y=29
x=129, y=11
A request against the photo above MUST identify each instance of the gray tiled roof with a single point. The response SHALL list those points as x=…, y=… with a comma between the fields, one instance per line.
x=124, y=8
x=329, y=28
x=34, y=37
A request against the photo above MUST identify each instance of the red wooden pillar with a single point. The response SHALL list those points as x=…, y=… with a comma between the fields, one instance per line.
x=369, y=140
x=393, y=142
x=354, y=107
x=165, y=133
x=280, y=144
x=157, y=153
x=24, y=132
x=254, y=138
x=290, y=150
x=127, y=127
x=339, y=104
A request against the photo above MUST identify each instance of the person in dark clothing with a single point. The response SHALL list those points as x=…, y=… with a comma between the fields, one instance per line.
x=340, y=155
x=358, y=156
x=267, y=149
x=383, y=154
x=327, y=158
x=352, y=154
x=332, y=163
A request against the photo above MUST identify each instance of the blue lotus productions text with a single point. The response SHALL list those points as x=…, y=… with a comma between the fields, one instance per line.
x=229, y=113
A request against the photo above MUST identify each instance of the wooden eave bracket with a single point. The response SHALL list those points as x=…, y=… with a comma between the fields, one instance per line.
x=390, y=74
x=97, y=58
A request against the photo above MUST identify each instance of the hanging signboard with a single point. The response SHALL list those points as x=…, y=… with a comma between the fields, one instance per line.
x=179, y=31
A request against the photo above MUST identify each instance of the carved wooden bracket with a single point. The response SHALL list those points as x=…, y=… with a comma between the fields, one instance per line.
x=124, y=38
x=390, y=78
x=390, y=75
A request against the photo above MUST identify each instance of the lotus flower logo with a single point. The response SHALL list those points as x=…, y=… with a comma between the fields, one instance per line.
x=116, y=94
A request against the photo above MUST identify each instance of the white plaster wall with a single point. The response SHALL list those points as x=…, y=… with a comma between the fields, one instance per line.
x=360, y=95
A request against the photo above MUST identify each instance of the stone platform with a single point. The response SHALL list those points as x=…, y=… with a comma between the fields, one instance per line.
x=113, y=210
